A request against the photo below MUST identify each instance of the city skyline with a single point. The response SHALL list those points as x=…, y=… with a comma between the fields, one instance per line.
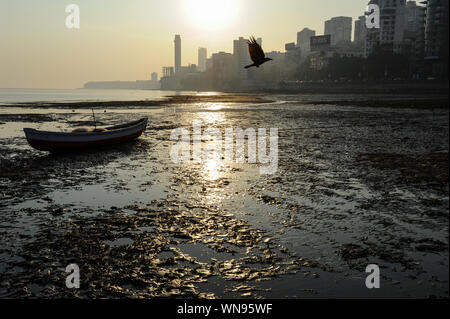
x=401, y=47
x=110, y=45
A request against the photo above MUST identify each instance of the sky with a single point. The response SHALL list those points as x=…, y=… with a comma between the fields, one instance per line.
x=129, y=39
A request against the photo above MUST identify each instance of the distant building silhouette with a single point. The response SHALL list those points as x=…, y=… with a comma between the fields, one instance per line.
x=184, y=70
x=320, y=43
x=414, y=33
x=304, y=39
x=360, y=30
x=209, y=64
x=177, y=43
x=241, y=56
x=168, y=71
x=392, y=27
x=202, y=57
x=436, y=29
x=275, y=68
x=290, y=46
x=436, y=38
x=154, y=77
x=340, y=29
x=222, y=68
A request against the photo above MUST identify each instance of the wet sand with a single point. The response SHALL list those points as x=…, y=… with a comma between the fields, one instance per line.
x=356, y=185
x=170, y=100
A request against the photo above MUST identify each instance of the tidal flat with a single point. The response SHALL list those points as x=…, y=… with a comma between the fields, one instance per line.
x=357, y=183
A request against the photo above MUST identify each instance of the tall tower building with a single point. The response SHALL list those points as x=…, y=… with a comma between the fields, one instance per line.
x=360, y=30
x=436, y=29
x=414, y=34
x=241, y=57
x=340, y=29
x=177, y=53
x=392, y=26
x=202, y=57
x=304, y=40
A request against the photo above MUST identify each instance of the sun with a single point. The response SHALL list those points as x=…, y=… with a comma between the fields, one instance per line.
x=211, y=14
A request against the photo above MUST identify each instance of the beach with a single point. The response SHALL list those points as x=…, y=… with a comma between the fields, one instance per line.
x=361, y=180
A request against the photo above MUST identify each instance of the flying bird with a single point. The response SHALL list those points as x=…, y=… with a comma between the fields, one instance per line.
x=256, y=53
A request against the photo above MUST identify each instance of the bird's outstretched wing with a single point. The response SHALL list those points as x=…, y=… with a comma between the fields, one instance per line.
x=255, y=50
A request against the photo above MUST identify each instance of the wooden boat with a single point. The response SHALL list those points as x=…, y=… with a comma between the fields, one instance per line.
x=56, y=142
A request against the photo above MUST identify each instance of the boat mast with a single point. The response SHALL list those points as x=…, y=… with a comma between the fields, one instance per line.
x=95, y=122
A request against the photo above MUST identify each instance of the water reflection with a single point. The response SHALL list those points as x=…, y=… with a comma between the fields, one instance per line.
x=215, y=106
x=212, y=165
x=207, y=94
x=210, y=118
x=213, y=169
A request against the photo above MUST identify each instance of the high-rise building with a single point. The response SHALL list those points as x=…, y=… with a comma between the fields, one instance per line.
x=168, y=71
x=392, y=26
x=414, y=34
x=436, y=29
x=154, y=77
x=360, y=30
x=304, y=40
x=340, y=29
x=414, y=16
x=177, y=43
x=320, y=43
x=202, y=57
x=241, y=56
x=209, y=64
x=222, y=66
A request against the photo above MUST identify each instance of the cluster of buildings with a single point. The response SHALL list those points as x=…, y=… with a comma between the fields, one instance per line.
x=221, y=70
x=416, y=30
x=420, y=30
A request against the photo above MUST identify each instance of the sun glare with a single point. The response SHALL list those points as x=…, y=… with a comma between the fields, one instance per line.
x=211, y=14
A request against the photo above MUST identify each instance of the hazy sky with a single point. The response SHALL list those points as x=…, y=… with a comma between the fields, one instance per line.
x=129, y=39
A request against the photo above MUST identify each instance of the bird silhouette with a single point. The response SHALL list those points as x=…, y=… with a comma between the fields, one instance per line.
x=256, y=53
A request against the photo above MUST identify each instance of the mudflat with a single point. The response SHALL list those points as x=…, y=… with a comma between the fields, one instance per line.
x=357, y=184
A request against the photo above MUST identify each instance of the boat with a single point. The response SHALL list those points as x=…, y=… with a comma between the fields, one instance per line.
x=57, y=142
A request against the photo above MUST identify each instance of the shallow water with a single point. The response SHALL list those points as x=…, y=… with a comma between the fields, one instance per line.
x=140, y=225
x=13, y=96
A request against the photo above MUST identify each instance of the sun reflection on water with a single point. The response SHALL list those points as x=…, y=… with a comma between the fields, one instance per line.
x=215, y=106
x=212, y=166
x=213, y=169
x=209, y=118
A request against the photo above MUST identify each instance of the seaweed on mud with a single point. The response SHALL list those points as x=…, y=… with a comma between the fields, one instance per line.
x=135, y=269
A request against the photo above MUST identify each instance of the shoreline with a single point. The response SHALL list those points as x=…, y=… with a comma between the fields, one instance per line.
x=426, y=101
x=169, y=100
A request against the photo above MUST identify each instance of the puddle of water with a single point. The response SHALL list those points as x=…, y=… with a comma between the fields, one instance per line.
x=147, y=229
x=119, y=242
x=165, y=255
x=204, y=254
x=30, y=204
x=100, y=196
